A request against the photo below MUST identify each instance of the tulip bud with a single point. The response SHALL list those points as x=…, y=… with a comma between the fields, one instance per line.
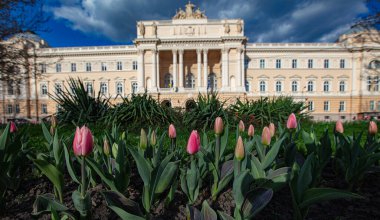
x=241, y=126
x=339, y=127
x=239, y=149
x=153, y=138
x=106, y=147
x=172, y=132
x=292, y=121
x=194, y=143
x=372, y=128
x=83, y=142
x=53, y=121
x=272, y=129
x=143, y=139
x=251, y=130
x=266, y=136
x=13, y=127
x=218, y=127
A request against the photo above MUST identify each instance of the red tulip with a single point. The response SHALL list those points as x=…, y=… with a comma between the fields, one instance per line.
x=372, y=128
x=172, y=132
x=272, y=129
x=13, y=127
x=241, y=126
x=194, y=143
x=218, y=127
x=251, y=131
x=339, y=127
x=292, y=121
x=83, y=142
x=239, y=149
x=266, y=136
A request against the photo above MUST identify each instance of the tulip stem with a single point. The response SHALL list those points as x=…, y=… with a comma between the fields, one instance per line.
x=217, y=151
x=83, y=188
x=172, y=146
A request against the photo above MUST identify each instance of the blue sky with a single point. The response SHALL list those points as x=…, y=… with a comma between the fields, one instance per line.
x=108, y=22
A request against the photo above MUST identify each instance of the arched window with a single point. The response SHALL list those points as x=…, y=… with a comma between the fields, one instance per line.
x=190, y=81
x=168, y=80
x=278, y=86
x=310, y=86
x=342, y=86
x=119, y=88
x=326, y=86
x=294, y=86
x=212, y=82
x=374, y=64
x=263, y=86
x=58, y=88
x=134, y=87
x=103, y=88
x=369, y=83
x=44, y=90
x=89, y=88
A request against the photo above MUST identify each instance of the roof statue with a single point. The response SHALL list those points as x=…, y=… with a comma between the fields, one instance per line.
x=189, y=13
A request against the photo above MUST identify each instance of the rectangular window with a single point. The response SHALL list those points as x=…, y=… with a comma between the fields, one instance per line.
x=43, y=67
x=378, y=105
x=278, y=64
x=372, y=105
x=88, y=67
x=262, y=64
x=89, y=88
x=119, y=65
x=294, y=63
x=44, y=89
x=326, y=64
x=310, y=105
x=342, y=106
x=310, y=63
x=376, y=84
x=103, y=88
x=326, y=106
x=104, y=67
x=134, y=87
x=44, y=109
x=17, y=108
x=58, y=67
x=10, y=87
x=73, y=67
x=134, y=65
x=342, y=63
x=9, y=109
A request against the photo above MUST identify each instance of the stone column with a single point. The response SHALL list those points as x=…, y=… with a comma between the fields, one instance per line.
x=242, y=70
x=180, y=69
x=174, y=69
x=140, y=71
x=205, y=68
x=238, y=69
x=199, y=61
x=225, y=77
x=158, y=70
x=154, y=71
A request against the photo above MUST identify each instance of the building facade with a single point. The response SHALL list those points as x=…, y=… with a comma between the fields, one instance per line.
x=174, y=60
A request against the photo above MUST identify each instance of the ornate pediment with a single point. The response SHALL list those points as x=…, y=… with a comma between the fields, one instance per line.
x=189, y=13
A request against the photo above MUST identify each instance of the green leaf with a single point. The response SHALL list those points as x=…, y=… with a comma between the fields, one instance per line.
x=240, y=187
x=224, y=216
x=143, y=166
x=122, y=206
x=52, y=173
x=255, y=201
x=272, y=154
x=69, y=165
x=82, y=204
x=4, y=137
x=305, y=177
x=105, y=176
x=207, y=212
x=46, y=203
x=56, y=149
x=46, y=133
x=166, y=177
x=315, y=195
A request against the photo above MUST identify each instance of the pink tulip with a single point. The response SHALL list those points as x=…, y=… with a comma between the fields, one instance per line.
x=218, y=127
x=372, y=128
x=251, y=131
x=266, y=136
x=13, y=127
x=292, y=121
x=194, y=143
x=172, y=132
x=339, y=127
x=239, y=149
x=83, y=142
x=272, y=129
x=241, y=126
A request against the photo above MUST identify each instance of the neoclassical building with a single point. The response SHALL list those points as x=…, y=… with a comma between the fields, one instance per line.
x=176, y=59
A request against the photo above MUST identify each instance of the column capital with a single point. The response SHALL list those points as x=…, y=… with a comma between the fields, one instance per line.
x=140, y=51
x=199, y=51
x=174, y=51
x=205, y=51
x=154, y=51
x=181, y=51
x=239, y=50
x=226, y=50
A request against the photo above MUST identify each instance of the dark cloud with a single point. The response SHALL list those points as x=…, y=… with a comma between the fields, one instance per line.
x=265, y=21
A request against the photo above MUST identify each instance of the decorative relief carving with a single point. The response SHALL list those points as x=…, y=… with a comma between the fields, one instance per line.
x=154, y=26
x=141, y=28
x=239, y=26
x=189, y=13
x=226, y=28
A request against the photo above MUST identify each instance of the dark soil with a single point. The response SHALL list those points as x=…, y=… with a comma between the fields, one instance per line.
x=19, y=204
